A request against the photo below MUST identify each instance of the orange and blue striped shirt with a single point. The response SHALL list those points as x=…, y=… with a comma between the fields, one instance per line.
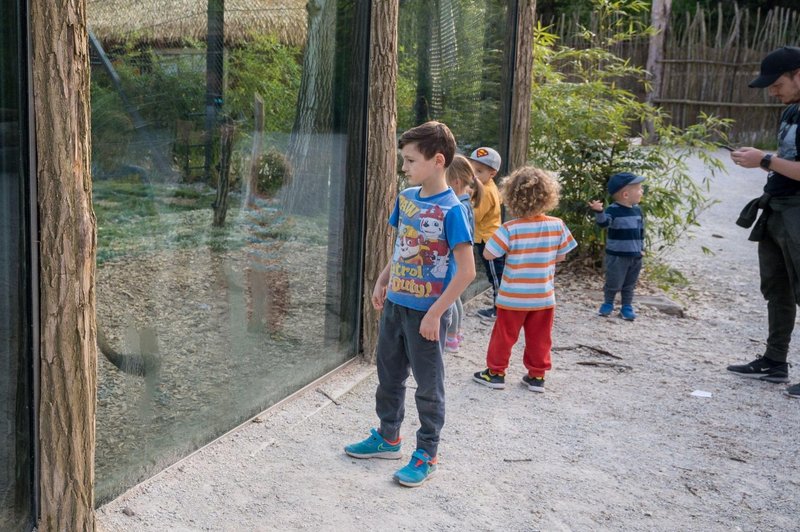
x=532, y=247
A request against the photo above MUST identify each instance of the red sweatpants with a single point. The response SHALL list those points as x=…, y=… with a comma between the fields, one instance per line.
x=538, y=326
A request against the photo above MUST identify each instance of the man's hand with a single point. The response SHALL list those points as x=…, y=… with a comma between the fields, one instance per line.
x=429, y=326
x=595, y=205
x=747, y=157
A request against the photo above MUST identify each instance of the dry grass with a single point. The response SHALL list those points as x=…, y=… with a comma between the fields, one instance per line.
x=174, y=22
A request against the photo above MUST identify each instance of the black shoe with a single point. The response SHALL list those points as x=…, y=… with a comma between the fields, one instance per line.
x=793, y=391
x=535, y=384
x=490, y=379
x=763, y=369
x=487, y=315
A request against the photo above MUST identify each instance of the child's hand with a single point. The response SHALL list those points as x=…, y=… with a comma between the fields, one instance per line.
x=429, y=327
x=595, y=205
x=378, y=296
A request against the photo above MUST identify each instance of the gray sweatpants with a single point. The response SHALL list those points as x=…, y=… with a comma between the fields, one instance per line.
x=401, y=350
x=457, y=314
x=621, y=276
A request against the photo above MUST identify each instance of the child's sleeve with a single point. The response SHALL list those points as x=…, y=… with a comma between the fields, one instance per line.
x=484, y=209
x=603, y=218
x=394, y=218
x=498, y=244
x=567, y=243
x=456, y=226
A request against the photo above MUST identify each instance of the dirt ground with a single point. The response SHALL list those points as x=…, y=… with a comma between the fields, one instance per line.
x=623, y=438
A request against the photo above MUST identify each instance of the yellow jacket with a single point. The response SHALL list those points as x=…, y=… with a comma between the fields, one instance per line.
x=487, y=215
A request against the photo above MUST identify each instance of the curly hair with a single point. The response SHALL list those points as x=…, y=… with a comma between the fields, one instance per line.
x=530, y=191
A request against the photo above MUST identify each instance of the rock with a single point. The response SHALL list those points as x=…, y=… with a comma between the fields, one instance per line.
x=662, y=303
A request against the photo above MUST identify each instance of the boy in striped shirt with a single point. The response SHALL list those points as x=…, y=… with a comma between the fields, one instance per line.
x=532, y=243
x=624, y=242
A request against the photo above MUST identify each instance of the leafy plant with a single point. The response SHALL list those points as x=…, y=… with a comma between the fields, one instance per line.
x=274, y=171
x=583, y=126
x=268, y=68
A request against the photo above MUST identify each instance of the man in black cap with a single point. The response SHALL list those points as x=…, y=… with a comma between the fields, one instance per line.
x=778, y=229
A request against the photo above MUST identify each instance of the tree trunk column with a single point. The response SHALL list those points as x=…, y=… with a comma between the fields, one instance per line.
x=659, y=20
x=67, y=226
x=517, y=114
x=381, y=157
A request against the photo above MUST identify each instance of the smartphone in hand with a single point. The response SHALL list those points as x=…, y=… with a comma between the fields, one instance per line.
x=729, y=148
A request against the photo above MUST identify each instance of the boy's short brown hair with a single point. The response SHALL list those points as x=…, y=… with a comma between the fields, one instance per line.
x=529, y=191
x=431, y=138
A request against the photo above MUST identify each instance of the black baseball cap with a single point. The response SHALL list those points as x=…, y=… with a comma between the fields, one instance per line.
x=777, y=63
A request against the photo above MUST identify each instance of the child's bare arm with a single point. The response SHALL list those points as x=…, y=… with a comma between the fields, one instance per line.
x=381, y=284
x=488, y=255
x=465, y=273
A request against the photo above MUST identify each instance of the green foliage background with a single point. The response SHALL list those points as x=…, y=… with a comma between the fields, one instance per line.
x=165, y=90
x=584, y=126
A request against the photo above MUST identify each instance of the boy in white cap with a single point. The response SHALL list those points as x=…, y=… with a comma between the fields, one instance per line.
x=486, y=163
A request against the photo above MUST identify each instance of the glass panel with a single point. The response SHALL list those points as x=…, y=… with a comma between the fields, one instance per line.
x=452, y=68
x=227, y=189
x=15, y=402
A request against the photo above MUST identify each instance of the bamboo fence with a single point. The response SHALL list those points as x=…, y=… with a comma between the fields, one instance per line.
x=709, y=58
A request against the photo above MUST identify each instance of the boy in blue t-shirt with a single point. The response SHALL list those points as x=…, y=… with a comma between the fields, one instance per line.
x=431, y=265
x=624, y=241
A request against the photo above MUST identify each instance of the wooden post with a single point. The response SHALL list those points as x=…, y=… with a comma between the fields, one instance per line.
x=68, y=244
x=224, y=179
x=659, y=19
x=515, y=122
x=215, y=46
x=381, y=157
x=251, y=187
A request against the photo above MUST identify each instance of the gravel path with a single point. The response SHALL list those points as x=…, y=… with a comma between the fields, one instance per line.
x=618, y=441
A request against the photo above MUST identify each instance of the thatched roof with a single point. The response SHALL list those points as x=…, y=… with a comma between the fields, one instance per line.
x=172, y=22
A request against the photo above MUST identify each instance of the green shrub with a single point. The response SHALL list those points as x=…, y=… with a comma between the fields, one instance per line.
x=582, y=126
x=162, y=92
x=270, y=69
x=274, y=171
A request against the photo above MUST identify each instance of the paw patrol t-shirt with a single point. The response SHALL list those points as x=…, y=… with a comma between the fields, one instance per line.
x=427, y=231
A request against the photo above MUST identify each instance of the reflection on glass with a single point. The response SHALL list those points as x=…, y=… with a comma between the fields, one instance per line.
x=15, y=401
x=451, y=55
x=227, y=185
x=451, y=68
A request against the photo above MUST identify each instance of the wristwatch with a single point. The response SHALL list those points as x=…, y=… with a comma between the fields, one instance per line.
x=765, y=161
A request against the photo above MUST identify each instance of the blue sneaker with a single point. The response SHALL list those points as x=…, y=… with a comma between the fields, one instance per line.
x=627, y=313
x=374, y=447
x=419, y=469
x=606, y=309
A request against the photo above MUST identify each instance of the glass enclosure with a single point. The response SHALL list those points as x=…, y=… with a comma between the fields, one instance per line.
x=228, y=181
x=15, y=341
x=452, y=67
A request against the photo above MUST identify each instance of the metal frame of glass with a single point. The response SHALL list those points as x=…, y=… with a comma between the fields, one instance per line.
x=20, y=202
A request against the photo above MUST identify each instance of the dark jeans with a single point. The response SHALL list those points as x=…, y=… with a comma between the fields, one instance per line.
x=402, y=349
x=494, y=269
x=779, y=259
x=621, y=276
